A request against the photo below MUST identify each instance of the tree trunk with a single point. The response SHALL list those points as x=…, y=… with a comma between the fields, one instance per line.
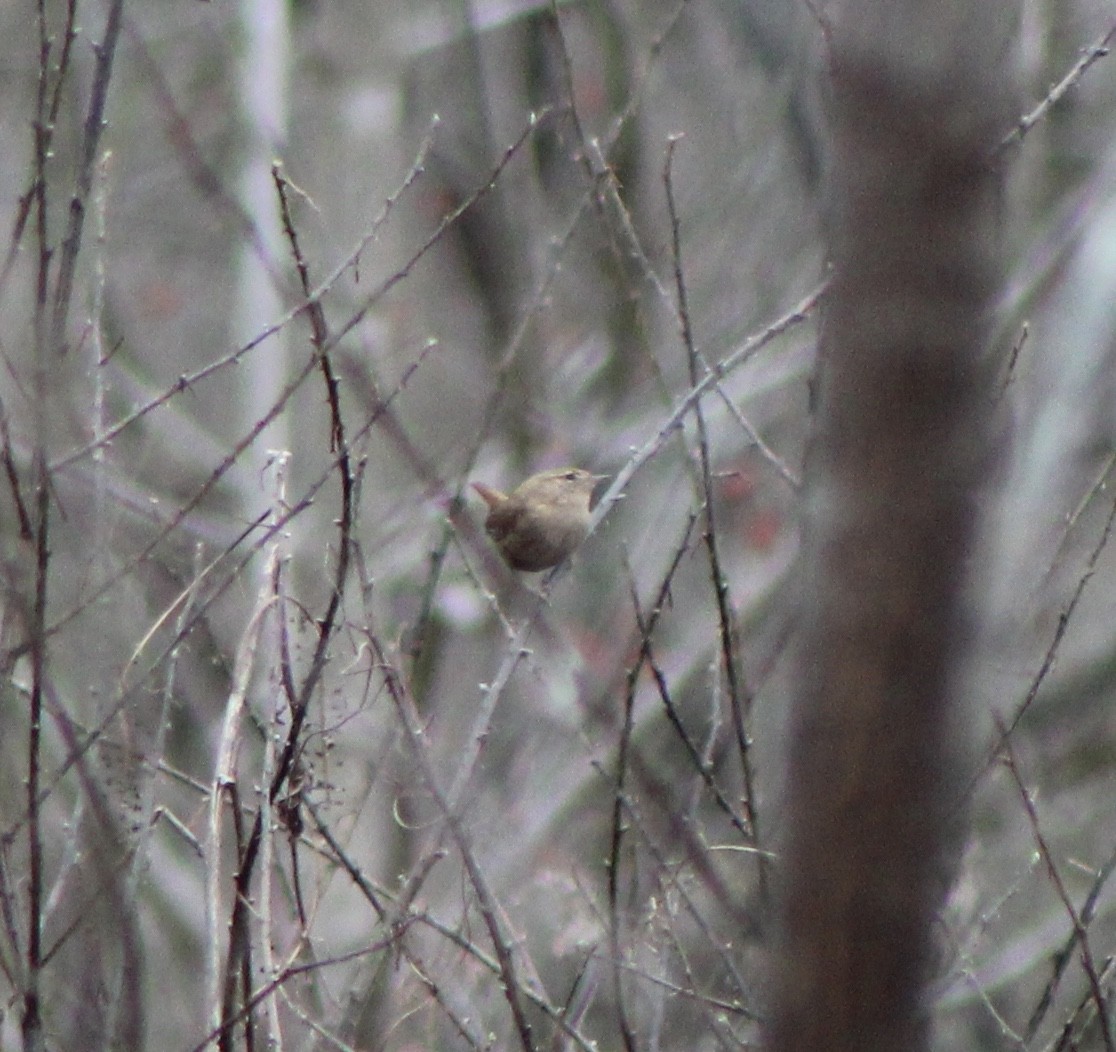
x=916, y=104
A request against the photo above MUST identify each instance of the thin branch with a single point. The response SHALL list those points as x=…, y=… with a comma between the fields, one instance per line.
x=1091, y=54
x=327, y=624
x=683, y=837
x=1099, y=485
x=26, y=531
x=31, y=1022
x=409, y=718
x=1005, y=730
x=403, y=903
x=127, y=691
x=1073, y=1030
x=285, y=395
x=224, y=781
x=1080, y=932
x=189, y=380
x=701, y=765
x=1013, y=358
x=636, y=252
x=591, y=150
x=646, y=628
x=45, y=125
x=340, y=445
x=292, y=971
x=93, y=128
x=1065, y=954
x=740, y=699
x=798, y=314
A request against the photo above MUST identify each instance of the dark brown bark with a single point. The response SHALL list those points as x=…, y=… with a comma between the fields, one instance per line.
x=916, y=105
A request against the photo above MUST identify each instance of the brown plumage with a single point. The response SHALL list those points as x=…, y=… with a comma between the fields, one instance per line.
x=543, y=519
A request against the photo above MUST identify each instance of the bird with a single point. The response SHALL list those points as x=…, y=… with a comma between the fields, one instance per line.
x=543, y=519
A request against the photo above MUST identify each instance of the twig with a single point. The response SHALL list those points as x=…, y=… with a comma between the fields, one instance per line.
x=637, y=253
x=400, y=916
x=288, y=391
x=682, y=836
x=1080, y=932
x=402, y=901
x=26, y=531
x=408, y=717
x=1090, y=55
x=718, y=370
x=234, y=357
x=126, y=690
x=46, y=116
x=739, y=698
x=277, y=553
x=1006, y=730
x=93, y=128
x=340, y=446
x=300, y=705
x=646, y=629
x=1099, y=483
x=1063, y=957
x=224, y=781
x=701, y=765
x=291, y=971
x=31, y=1023
x=1013, y=357
x=1073, y=1030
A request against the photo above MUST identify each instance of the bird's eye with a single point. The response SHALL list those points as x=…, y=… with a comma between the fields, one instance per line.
x=569, y=476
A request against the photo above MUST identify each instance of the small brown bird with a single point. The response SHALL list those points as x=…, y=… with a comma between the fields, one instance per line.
x=543, y=519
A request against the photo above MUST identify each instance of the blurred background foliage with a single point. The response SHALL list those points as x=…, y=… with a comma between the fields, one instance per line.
x=537, y=328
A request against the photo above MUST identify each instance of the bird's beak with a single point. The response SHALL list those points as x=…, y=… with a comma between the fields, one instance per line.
x=491, y=496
